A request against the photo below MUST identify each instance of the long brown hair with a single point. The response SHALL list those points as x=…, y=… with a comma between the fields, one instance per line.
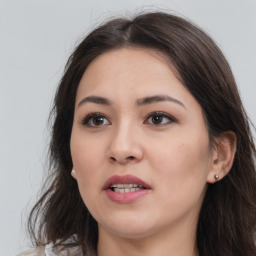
x=227, y=221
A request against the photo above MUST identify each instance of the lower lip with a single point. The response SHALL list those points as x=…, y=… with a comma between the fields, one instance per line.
x=125, y=198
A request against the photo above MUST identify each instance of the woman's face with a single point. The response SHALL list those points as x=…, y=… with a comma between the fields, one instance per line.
x=139, y=145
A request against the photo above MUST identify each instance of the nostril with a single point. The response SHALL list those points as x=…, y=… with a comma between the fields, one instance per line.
x=122, y=159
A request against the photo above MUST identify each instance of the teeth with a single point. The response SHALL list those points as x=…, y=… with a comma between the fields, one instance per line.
x=126, y=190
x=126, y=186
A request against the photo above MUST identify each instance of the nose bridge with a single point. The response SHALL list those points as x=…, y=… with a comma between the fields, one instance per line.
x=124, y=144
x=124, y=135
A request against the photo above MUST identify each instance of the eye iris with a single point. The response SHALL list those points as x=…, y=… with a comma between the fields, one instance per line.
x=98, y=120
x=157, y=119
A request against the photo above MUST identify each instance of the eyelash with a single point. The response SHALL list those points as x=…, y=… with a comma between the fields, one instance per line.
x=89, y=118
x=87, y=121
x=163, y=115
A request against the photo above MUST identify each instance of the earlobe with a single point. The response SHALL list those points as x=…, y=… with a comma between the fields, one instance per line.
x=73, y=173
x=223, y=156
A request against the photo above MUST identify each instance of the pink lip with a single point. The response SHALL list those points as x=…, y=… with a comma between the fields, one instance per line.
x=125, y=197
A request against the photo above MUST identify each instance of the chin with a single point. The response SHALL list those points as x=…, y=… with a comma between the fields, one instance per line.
x=129, y=227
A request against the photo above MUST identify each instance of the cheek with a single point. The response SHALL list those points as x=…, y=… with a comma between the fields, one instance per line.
x=86, y=151
x=181, y=173
x=87, y=156
x=182, y=162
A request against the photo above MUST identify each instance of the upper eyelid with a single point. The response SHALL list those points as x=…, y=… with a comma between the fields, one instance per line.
x=161, y=113
x=93, y=114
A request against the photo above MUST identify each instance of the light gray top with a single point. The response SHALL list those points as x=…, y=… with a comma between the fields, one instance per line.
x=48, y=250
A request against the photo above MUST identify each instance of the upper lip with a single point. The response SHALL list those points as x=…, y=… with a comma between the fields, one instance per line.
x=126, y=179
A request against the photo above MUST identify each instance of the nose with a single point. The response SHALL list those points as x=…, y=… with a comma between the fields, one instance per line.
x=125, y=146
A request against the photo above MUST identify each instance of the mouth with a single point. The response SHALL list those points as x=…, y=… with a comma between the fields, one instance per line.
x=125, y=184
x=125, y=189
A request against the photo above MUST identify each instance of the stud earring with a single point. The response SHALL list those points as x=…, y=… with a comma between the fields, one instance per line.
x=216, y=176
x=73, y=172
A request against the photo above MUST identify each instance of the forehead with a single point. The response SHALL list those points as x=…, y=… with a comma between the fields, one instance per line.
x=127, y=67
x=130, y=57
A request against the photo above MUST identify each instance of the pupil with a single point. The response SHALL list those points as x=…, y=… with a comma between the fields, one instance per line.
x=98, y=120
x=157, y=119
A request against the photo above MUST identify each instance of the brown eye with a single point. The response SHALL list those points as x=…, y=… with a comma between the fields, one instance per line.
x=95, y=120
x=159, y=118
x=98, y=120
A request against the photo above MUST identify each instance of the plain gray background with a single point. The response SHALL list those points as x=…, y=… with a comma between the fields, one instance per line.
x=36, y=38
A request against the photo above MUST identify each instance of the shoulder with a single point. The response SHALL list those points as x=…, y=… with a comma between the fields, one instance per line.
x=35, y=252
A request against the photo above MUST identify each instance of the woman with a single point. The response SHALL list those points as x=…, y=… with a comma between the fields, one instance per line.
x=151, y=148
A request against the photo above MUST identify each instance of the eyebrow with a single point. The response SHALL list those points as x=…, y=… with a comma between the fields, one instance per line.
x=139, y=102
x=158, y=98
x=95, y=99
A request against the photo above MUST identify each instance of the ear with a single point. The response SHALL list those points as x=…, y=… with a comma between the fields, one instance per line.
x=73, y=173
x=222, y=156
